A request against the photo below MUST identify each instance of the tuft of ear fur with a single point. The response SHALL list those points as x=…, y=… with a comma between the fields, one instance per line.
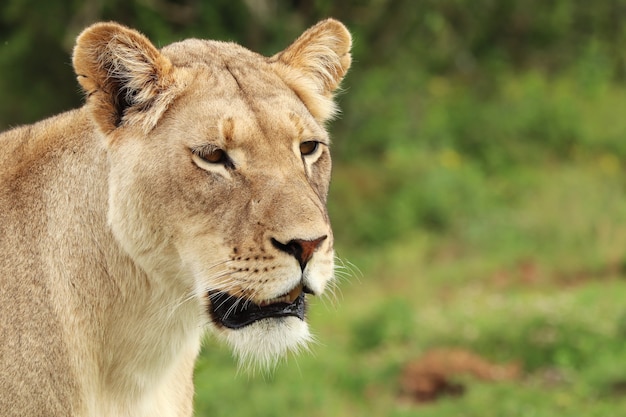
x=314, y=65
x=126, y=79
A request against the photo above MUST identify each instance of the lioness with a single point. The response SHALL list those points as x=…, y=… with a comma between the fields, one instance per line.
x=188, y=193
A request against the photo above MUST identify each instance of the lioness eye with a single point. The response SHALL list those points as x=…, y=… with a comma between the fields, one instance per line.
x=213, y=155
x=309, y=147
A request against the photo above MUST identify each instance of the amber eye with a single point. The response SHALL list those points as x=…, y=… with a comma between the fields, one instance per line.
x=309, y=147
x=213, y=155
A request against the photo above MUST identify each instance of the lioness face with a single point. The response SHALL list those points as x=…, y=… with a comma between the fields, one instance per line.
x=220, y=172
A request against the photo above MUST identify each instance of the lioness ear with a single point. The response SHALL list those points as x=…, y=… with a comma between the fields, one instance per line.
x=125, y=77
x=314, y=65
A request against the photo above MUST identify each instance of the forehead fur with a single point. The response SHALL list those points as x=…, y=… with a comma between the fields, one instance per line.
x=238, y=92
x=252, y=76
x=191, y=52
x=226, y=63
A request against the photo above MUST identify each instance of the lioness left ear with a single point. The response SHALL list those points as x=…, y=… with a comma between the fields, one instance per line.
x=314, y=65
x=125, y=77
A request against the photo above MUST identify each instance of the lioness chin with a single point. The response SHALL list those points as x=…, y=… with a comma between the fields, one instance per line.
x=189, y=192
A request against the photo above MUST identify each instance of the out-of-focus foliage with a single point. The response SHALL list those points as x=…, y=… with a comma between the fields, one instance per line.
x=471, y=40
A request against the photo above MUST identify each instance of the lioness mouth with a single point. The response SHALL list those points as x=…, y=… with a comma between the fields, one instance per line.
x=236, y=312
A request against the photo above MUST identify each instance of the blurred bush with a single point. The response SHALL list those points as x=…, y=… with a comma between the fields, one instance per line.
x=389, y=323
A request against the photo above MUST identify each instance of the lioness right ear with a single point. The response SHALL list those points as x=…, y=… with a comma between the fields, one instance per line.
x=125, y=77
x=314, y=65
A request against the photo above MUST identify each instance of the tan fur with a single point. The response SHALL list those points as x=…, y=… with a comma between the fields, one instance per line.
x=113, y=230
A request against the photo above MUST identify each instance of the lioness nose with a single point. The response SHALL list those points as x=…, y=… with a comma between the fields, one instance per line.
x=300, y=249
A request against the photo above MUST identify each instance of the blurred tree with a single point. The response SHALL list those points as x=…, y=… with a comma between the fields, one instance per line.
x=458, y=38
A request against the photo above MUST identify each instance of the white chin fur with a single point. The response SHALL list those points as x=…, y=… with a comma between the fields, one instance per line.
x=261, y=344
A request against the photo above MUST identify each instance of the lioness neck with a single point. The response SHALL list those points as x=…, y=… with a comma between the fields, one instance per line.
x=125, y=331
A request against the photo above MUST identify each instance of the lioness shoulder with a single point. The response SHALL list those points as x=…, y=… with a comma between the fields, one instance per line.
x=188, y=193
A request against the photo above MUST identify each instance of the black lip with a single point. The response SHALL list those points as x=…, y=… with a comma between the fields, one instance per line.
x=235, y=312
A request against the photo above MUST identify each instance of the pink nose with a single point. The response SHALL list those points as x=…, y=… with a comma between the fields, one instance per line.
x=300, y=249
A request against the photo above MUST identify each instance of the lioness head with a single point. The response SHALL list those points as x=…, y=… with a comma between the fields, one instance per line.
x=219, y=171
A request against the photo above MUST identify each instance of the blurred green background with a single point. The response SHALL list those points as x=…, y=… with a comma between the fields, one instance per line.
x=477, y=197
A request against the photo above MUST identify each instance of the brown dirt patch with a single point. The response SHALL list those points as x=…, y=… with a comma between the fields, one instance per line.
x=436, y=372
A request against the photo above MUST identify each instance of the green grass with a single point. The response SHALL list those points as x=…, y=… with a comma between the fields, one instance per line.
x=575, y=334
